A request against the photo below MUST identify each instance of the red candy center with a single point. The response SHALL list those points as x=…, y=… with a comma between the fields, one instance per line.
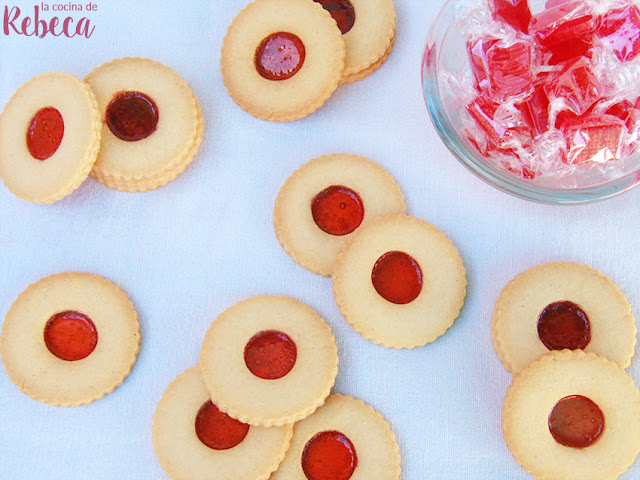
x=564, y=325
x=397, y=278
x=45, y=133
x=337, y=210
x=329, y=456
x=70, y=335
x=576, y=422
x=342, y=12
x=279, y=56
x=218, y=430
x=270, y=354
x=132, y=116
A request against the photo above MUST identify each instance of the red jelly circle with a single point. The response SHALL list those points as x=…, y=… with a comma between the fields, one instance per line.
x=218, y=430
x=329, y=455
x=270, y=354
x=342, y=12
x=70, y=335
x=279, y=56
x=397, y=277
x=564, y=325
x=45, y=133
x=337, y=210
x=132, y=116
x=576, y=422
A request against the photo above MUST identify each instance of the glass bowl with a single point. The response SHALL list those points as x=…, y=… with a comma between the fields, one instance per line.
x=445, y=57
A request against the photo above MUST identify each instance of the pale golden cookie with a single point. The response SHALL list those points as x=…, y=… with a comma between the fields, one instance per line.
x=300, y=236
x=377, y=455
x=514, y=328
x=304, y=92
x=354, y=77
x=46, y=377
x=387, y=244
x=231, y=353
x=65, y=164
x=535, y=392
x=145, y=159
x=182, y=454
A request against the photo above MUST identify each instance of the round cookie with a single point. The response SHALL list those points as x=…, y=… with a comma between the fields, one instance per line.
x=343, y=439
x=49, y=136
x=153, y=124
x=282, y=59
x=399, y=282
x=195, y=441
x=561, y=305
x=368, y=28
x=269, y=360
x=313, y=240
x=572, y=415
x=70, y=339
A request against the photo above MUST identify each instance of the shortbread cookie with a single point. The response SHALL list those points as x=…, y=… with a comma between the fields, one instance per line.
x=194, y=440
x=561, y=305
x=70, y=339
x=282, y=59
x=399, y=282
x=345, y=439
x=368, y=28
x=327, y=199
x=269, y=361
x=368, y=71
x=152, y=127
x=572, y=415
x=49, y=137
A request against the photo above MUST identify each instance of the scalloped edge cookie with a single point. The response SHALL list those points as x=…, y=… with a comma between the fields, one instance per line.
x=354, y=77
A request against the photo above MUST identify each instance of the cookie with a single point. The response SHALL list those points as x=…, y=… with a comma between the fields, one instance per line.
x=572, y=415
x=152, y=124
x=561, y=305
x=323, y=202
x=399, y=282
x=70, y=339
x=193, y=440
x=49, y=136
x=368, y=28
x=344, y=439
x=282, y=59
x=269, y=361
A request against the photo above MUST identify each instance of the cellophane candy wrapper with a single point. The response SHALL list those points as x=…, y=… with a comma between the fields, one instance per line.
x=553, y=95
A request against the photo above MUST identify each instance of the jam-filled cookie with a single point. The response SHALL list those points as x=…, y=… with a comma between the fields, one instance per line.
x=368, y=28
x=325, y=201
x=153, y=125
x=572, y=415
x=282, y=59
x=562, y=305
x=194, y=440
x=269, y=360
x=399, y=282
x=70, y=339
x=49, y=137
x=345, y=439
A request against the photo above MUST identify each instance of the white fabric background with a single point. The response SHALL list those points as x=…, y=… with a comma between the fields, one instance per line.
x=186, y=252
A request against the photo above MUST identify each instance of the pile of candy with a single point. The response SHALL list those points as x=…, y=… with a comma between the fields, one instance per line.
x=556, y=91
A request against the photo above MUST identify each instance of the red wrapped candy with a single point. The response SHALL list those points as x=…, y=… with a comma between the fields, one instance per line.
x=593, y=138
x=621, y=30
x=513, y=12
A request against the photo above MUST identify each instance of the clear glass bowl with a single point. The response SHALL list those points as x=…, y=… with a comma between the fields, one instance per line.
x=445, y=52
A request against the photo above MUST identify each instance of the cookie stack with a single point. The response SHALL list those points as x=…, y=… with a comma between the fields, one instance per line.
x=567, y=332
x=133, y=123
x=398, y=280
x=266, y=363
x=282, y=59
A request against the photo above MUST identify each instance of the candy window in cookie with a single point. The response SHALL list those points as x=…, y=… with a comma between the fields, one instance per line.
x=70, y=339
x=194, y=440
x=49, y=137
x=269, y=361
x=323, y=202
x=399, y=282
x=562, y=305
